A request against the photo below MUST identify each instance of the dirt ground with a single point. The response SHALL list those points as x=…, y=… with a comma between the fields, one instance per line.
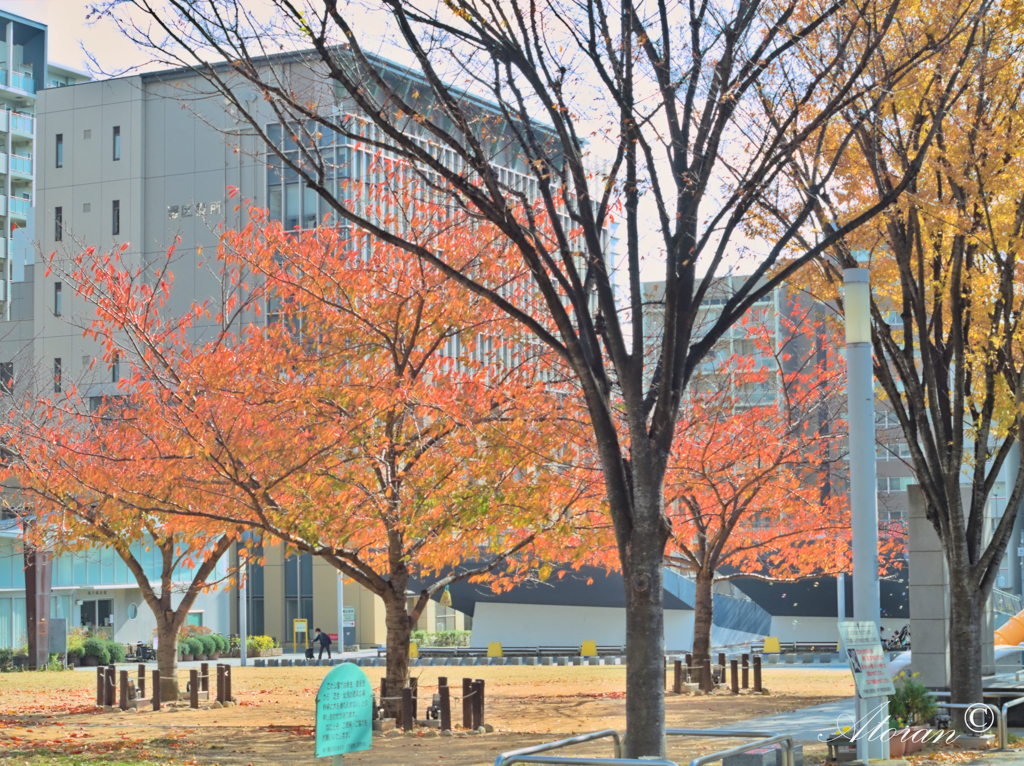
x=273, y=722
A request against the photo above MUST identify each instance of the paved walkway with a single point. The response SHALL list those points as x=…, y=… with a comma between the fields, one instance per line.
x=236, y=661
x=811, y=724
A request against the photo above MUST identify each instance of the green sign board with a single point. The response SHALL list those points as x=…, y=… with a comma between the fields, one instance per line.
x=344, y=709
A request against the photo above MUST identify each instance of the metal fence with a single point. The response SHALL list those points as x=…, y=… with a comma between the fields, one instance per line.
x=535, y=754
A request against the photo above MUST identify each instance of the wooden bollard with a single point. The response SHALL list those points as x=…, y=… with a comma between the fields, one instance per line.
x=407, y=716
x=446, y=704
x=414, y=684
x=478, y=708
x=467, y=703
x=706, y=681
x=101, y=686
x=677, y=677
x=204, y=677
x=746, y=671
x=483, y=700
x=156, y=690
x=111, y=686
x=123, y=700
x=220, y=685
x=721, y=663
x=142, y=681
x=735, y=667
x=227, y=684
x=193, y=688
x=757, y=673
x=383, y=694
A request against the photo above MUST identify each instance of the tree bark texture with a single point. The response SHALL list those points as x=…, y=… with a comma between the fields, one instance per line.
x=703, y=613
x=399, y=630
x=167, y=657
x=966, y=610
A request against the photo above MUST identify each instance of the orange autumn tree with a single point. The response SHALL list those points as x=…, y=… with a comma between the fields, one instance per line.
x=752, y=485
x=68, y=458
x=379, y=417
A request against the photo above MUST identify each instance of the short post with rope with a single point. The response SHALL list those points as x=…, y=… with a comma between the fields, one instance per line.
x=467, y=703
x=446, y=703
x=407, y=714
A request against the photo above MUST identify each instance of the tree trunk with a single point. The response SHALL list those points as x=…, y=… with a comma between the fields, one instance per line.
x=167, y=657
x=645, y=641
x=703, y=611
x=399, y=630
x=966, y=605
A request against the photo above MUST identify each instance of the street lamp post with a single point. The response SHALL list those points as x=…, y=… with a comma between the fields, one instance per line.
x=860, y=390
x=243, y=615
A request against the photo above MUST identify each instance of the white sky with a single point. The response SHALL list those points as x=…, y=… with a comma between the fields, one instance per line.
x=71, y=35
x=69, y=32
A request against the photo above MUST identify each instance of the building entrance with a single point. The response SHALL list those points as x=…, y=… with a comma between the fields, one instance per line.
x=97, y=616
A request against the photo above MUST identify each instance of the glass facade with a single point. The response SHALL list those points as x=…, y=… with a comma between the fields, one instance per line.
x=298, y=592
x=289, y=200
x=85, y=569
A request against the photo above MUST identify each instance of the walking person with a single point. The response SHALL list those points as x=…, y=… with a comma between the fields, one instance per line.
x=325, y=643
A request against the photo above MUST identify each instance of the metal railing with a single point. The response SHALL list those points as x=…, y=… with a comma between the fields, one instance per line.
x=767, y=738
x=22, y=123
x=526, y=754
x=534, y=755
x=23, y=82
x=21, y=164
x=1004, y=735
x=19, y=206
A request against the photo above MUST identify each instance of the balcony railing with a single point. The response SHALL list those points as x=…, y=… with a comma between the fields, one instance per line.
x=23, y=123
x=20, y=206
x=3, y=205
x=21, y=164
x=23, y=82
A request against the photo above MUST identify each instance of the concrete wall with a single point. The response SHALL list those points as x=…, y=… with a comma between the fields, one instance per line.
x=545, y=625
x=819, y=628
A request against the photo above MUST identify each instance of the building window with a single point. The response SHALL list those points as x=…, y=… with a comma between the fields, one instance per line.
x=298, y=591
x=58, y=303
x=86, y=134
x=58, y=224
x=117, y=143
x=7, y=377
x=115, y=369
x=60, y=150
x=56, y=374
x=894, y=483
x=195, y=618
x=445, y=618
x=115, y=220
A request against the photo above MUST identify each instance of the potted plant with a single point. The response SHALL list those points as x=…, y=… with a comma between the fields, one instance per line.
x=95, y=652
x=186, y=648
x=117, y=651
x=75, y=655
x=913, y=704
x=209, y=646
x=221, y=646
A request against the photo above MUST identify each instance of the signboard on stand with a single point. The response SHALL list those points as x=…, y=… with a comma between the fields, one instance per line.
x=862, y=648
x=344, y=709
